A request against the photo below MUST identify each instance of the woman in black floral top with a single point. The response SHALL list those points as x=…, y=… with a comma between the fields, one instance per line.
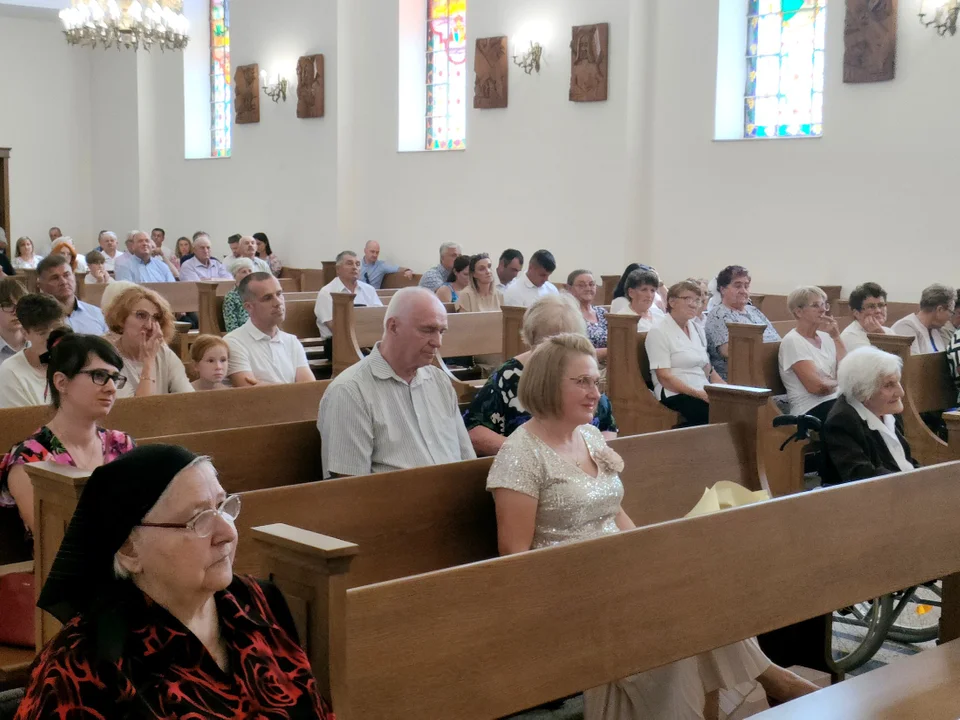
x=495, y=411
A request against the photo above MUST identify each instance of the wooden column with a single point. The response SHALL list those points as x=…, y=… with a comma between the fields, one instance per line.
x=5, y=197
x=741, y=407
x=209, y=323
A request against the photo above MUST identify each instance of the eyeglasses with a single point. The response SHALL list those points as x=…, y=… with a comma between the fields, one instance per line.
x=8, y=307
x=144, y=316
x=203, y=523
x=819, y=306
x=690, y=299
x=585, y=286
x=100, y=377
x=878, y=306
x=588, y=382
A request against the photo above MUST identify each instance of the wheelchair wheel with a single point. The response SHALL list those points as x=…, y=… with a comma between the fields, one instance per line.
x=859, y=632
x=916, y=614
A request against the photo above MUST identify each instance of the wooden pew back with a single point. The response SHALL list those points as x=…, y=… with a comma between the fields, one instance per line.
x=476, y=627
x=395, y=281
x=895, y=310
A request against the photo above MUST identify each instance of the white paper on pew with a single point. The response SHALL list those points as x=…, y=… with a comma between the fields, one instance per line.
x=724, y=495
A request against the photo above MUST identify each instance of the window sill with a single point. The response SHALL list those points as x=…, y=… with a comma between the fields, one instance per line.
x=768, y=139
x=432, y=152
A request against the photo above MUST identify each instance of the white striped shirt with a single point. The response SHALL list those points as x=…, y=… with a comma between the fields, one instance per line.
x=372, y=421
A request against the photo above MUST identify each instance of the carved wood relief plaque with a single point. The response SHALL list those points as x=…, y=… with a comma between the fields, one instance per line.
x=247, y=97
x=310, y=98
x=490, y=65
x=588, y=63
x=870, y=41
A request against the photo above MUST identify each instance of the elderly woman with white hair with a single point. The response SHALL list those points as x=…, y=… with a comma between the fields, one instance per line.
x=809, y=354
x=234, y=314
x=862, y=435
x=496, y=410
x=156, y=624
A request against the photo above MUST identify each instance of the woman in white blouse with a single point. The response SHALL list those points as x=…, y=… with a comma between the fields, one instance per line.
x=640, y=290
x=142, y=325
x=678, y=357
x=24, y=257
x=809, y=354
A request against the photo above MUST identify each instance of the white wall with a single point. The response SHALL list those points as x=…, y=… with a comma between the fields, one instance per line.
x=873, y=199
x=45, y=119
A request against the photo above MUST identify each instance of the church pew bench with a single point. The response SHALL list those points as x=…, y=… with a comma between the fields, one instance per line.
x=256, y=457
x=629, y=380
x=467, y=334
x=395, y=281
x=184, y=412
x=474, y=644
x=386, y=294
x=302, y=279
x=513, y=343
x=927, y=387
x=434, y=517
x=775, y=306
x=608, y=285
x=28, y=278
x=922, y=686
x=754, y=363
x=895, y=310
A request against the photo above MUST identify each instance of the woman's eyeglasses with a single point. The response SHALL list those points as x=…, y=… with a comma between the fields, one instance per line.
x=8, y=307
x=588, y=382
x=204, y=523
x=100, y=377
x=144, y=316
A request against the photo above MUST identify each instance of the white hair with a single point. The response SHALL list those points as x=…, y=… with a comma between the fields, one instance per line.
x=109, y=233
x=862, y=372
x=448, y=245
x=235, y=265
x=403, y=299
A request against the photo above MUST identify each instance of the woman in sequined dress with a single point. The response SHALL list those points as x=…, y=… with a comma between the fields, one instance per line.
x=555, y=480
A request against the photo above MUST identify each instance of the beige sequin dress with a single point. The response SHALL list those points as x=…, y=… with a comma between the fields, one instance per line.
x=572, y=505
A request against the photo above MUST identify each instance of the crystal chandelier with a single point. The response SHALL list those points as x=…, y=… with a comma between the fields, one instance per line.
x=126, y=23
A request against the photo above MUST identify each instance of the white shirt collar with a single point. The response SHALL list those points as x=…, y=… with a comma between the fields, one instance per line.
x=886, y=426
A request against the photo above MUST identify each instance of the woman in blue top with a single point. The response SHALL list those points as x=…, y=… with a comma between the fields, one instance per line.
x=457, y=280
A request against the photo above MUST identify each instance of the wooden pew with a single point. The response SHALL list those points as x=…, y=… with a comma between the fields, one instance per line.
x=775, y=306
x=513, y=343
x=754, y=363
x=927, y=387
x=304, y=279
x=429, y=518
x=608, y=286
x=395, y=281
x=629, y=380
x=895, y=310
x=473, y=644
x=29, y=280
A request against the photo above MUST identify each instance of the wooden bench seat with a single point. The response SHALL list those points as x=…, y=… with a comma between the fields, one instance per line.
x=775, y=306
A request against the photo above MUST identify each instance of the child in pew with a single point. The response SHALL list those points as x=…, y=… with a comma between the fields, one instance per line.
x=210, y=355
x=555, y=480
x=97, y=268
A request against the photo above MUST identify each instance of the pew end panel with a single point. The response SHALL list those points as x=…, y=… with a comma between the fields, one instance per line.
x=742, y=408
x=311, y=571
x=628, y=374
x=609, y=286
x=395, y=281
x=346, y=348
x=952, y=421
x=513, y=343
x=927, y=387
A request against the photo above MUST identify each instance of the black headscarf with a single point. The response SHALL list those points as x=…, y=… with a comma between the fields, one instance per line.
x=115, y=500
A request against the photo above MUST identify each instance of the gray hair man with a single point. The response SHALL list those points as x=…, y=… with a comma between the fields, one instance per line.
x=435, y=277
x=346, y=281
x=107, y=241
x=395, y=409
x=937, y=303
x=248, y=249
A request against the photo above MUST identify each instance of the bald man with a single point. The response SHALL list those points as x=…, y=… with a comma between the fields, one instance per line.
x=394, y=409
x=248, y=249
x=373, y=268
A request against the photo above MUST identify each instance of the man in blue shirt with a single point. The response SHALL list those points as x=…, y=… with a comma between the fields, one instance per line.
x=55, y=278
x=373, y=268
x=144, y=264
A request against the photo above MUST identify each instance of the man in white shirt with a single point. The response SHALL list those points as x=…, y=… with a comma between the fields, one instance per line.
x=937, y=303
x=23, y=378
x=248, y=249
x=346, y=281
x=394, y=410
x=203, y=266
x=108, y=246
x=868, y=304
x=527, y=289
x=509, y=266
x=260, y=352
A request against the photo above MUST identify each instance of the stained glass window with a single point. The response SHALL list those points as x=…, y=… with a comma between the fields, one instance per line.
x=784, y=93
x=221, y=98
x=446, y=112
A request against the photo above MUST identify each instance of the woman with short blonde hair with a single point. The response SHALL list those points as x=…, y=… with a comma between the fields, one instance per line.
x=24, y=257
x=142, y=324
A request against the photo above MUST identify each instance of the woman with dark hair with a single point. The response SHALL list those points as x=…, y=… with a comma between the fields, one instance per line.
x=83, y=376
x=457, y=281
x=620, y=292
x=481, y=294
x=23, y=379
x=640, y=291
x=265, y=252
x=156, y=624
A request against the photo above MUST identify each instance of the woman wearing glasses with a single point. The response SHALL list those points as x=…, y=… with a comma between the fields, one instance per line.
x=142, y=324
x=677, y=352
x=583, y=286
x=809, y=354
x=156, y=625
x=83, y=376
x=868, y=305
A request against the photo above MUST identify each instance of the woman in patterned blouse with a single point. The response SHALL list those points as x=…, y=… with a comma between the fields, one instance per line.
x=83, y=375
x=495, y=411
x=234, y=314
x=583, y=286
x=156, y=625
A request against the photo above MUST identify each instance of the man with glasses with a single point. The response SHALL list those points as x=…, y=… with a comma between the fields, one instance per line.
x=868, y=304
x=373, y=268
x=12, y=339
x=346, y=281
x=937, y=303
x=55, y=278
x=23, y=378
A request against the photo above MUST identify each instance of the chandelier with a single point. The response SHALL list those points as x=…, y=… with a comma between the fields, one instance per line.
x=126, y=23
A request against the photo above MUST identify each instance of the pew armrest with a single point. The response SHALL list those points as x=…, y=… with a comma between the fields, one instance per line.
x=20, y=567
x=304, y=542
x=952, y=421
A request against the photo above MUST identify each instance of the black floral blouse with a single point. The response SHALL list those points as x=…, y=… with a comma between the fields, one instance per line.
x=496, y=406
x=161, y=670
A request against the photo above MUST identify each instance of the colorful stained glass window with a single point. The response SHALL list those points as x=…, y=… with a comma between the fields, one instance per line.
x=785, y=43
x=446, y=111
x=221, y=91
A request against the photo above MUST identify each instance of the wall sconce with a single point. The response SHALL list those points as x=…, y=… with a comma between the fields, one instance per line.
x=529, y=60
x=277, y=91
x=945, y=13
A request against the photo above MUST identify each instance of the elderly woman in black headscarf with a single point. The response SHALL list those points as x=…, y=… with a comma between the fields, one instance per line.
x=156, y=625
